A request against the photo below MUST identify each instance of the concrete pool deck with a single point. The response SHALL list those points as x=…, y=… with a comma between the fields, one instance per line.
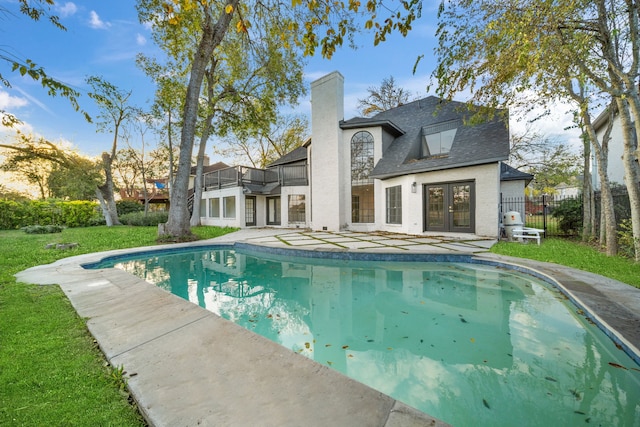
x=186, y=366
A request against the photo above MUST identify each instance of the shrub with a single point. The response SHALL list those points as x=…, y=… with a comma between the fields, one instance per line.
x=79, y=213
x=42, y=229
x=14, y=215
x=124, y=207
x=626, y=247
x=569, y=215
x=140, y=219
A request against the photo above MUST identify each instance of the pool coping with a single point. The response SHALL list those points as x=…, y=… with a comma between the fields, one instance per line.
x=164, y=343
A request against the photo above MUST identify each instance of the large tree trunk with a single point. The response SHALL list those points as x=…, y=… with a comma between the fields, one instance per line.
x=103, y=206
x=178, y=226
x=630, y=162
x=588, y=205
x=106, y=191
x=197, y=182
x=608, y=227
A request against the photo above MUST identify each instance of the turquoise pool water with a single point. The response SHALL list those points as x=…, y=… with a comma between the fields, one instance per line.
x=467, y=343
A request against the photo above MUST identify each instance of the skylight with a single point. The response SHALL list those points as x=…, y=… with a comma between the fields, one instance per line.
x=437, y=139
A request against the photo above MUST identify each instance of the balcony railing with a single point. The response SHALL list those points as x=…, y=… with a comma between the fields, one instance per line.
x=237, y=176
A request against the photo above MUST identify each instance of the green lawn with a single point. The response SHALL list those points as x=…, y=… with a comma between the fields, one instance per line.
x=51, y=370
x=574, y=254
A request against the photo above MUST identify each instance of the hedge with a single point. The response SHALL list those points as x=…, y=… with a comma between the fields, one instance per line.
x=15, y=215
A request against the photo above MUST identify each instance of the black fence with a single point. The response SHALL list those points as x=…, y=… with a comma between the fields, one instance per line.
x=561, y=216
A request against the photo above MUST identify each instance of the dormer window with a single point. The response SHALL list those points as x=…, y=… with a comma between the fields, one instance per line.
x=437, y=139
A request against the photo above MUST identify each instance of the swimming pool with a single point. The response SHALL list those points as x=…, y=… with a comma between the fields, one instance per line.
x=469, y=344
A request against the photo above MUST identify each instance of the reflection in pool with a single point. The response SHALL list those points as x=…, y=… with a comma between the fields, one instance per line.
x=469, y=344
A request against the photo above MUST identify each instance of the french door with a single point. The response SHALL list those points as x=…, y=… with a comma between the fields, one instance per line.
x=449, y=207
x=250, y=211
x=273, y=210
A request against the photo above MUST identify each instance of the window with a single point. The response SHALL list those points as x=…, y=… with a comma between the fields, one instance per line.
x=203, y=207
x=214, y=208
x=437, y=139
x=296, y=208
x=229, y=206
x=362, y=205
x=394, y=205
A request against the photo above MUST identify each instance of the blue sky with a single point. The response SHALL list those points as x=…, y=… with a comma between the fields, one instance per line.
x=103, y=38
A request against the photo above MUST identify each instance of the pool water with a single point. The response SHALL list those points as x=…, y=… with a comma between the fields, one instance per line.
x=469, y=344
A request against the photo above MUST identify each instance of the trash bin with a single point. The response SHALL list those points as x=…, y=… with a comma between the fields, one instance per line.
x=511, y=221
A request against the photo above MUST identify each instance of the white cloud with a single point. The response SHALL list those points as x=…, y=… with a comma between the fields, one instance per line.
x=8, y=102
x=553, y=121
x=141, y=40
x=66, y=9
x=95, y=21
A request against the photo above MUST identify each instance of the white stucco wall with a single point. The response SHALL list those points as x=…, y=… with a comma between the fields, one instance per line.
x=238, y=220
x=487, y=199
x=294, y=190
x=327, y=187
x=261, y=208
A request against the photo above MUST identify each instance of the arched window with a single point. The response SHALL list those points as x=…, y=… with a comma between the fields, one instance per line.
x=362, y=199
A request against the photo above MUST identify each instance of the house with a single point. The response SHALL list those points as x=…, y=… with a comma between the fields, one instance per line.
x=415, y=169
x=568, y=191
x=512, y=185
x=615, y=166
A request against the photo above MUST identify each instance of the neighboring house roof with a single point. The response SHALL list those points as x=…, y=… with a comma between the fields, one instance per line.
x=473, y=144
x=211, y=168
x=507, y=173
x=294, y=156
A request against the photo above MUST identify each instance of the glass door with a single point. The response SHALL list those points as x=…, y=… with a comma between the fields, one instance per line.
x=449, y=207
x=273, y=210
x=250, y=211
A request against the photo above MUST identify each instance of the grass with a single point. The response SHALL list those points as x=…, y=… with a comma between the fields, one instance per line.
x=575, y=254
x=51, y=370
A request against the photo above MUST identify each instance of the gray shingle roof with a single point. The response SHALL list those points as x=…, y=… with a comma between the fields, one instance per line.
x=487, y=142
x=211, y=168
x=294, y=156
x=507, y=173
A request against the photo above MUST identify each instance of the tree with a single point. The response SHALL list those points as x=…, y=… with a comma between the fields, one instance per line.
x=33, y=169
x=13, y=195
x=115, y=113
x=77, y=180
x=167, y=105
x=503, y=50
x=548, y=159
x=383, y=98
x=63, y=169
x=285, y=135
x=35, y=9
x=306, y=19
x=554, y=164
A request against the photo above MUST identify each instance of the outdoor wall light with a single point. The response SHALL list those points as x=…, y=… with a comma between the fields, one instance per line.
x=414, y=187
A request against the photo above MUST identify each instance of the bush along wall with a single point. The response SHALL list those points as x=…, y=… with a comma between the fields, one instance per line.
x=79, y=213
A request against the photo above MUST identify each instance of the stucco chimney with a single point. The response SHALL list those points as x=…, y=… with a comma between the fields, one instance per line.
x=327, y=185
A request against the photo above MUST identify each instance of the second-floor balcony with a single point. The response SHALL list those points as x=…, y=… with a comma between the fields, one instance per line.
x=237, y=176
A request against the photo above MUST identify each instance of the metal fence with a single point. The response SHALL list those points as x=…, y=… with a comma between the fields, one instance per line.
x=543, y=211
